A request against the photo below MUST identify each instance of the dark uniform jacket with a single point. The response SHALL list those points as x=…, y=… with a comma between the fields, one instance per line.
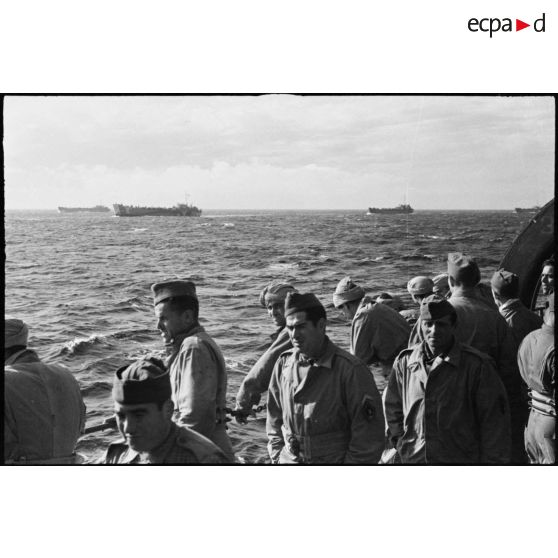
x=181, y=447
x=257, y=380
x=455, y=413
x=44, y=413
x=333, y=415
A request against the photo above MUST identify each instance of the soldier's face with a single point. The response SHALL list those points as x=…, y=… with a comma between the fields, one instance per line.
x=305, y=336
x=171, y=322
x=276, y=311
x=438, y=334
x=547, y=279
x=144, y=426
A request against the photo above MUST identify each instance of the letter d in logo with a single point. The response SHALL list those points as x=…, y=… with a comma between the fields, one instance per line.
x=539, y=24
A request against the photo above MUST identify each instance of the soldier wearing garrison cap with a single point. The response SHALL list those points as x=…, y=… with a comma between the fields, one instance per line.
x=484, y=329
x=323, y=405
x=197, y=368
x=419, y=288
x=144, y=408
x=521, y=320
x=378, y=332
x=257, y=380
x=537, y=364
x=44, y=413
x=445, y=402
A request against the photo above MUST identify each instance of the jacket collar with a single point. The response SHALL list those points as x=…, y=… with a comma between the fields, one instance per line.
x=25, y=355
x=326, y=358
x=158, y=454
x=510, y=304
x=453, y=357
x=177, y=340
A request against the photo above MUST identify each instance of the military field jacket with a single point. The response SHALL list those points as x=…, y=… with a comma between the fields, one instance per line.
x=199, y=385
x=378, y=332
x=44, y=413
x=257, y=380
x=456, y=413
x=537, y=366
x=182, y=446
x=334, y=415
x=484, y=329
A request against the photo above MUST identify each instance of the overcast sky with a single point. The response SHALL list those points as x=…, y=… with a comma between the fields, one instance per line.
x=279, y=151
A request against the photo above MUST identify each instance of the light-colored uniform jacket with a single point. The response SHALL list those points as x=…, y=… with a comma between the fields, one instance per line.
x=257, y=380
x=455, y=413
x=378, y=332
x=182, y=446
x=199, y=386
x=334, y=415
x=44, y=413
x=537, y=364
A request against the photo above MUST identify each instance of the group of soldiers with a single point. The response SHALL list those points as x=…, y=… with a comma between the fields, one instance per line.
x=466, y=376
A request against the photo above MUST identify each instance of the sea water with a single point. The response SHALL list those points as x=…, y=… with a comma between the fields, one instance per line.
x=82, y=282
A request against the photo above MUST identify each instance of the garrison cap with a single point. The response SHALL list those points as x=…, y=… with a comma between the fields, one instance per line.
x=143, y=381
x=346, y=291
x=435, y=307
x=170, y=289
x=297, y=302
x=420, y=285
x=504, y=282
x=275, y=292
x=16, y=333
x=463, y=269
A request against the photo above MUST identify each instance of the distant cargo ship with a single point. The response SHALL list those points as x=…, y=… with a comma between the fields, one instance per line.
x=403, y=208
x=527, y=209
x=96, y=209
x=180, y=209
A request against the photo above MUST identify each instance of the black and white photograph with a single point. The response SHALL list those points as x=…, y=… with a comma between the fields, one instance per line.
x=279, y=279
x=306, y=248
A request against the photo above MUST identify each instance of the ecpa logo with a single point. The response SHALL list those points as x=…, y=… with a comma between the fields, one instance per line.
x=492, y=25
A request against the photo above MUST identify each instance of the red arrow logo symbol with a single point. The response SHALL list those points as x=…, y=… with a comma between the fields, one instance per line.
x=519, y=25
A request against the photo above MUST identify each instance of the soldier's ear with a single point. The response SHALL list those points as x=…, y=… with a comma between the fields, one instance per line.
x=168, y=408
x=322, y=324
x=188, y=317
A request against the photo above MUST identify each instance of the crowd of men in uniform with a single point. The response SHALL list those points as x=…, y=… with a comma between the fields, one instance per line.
x=466, y=376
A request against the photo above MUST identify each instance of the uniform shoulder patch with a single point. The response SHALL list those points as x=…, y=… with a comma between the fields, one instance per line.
x=368, y=408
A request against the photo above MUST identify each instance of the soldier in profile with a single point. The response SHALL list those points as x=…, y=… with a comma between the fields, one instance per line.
x=197, y=368
x=144, y=408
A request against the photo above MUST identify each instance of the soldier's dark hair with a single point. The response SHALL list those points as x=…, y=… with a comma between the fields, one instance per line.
x=549, y=262
x=315, y=314
x=181, y=303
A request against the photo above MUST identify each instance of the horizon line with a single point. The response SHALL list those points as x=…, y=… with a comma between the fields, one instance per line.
x=294, y=209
